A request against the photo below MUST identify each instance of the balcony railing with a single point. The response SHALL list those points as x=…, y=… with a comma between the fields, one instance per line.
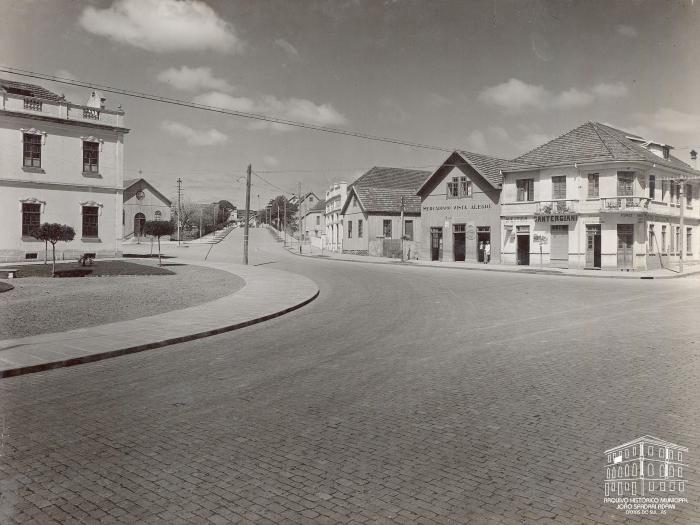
x=615, y=204
x=557, y=206
x=91, y=114
x=32, y=104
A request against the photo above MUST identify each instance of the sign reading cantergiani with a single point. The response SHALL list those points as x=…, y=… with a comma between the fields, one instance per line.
x=461, y=207
x=567, y=217
x=646, y=476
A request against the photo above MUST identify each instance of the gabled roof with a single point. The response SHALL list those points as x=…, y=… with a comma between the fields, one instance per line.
x=131, y=182
x=29, y=90
x=596, y=142
x=381, y=188
x=489, y=168
x=318, y=207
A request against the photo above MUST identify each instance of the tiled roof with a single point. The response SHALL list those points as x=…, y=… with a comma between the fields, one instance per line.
x=399, y=178
x=490, y=167
x=387, y=200
x=29, y=90
x=130, y=182
x=320, y=206
x=595, y=142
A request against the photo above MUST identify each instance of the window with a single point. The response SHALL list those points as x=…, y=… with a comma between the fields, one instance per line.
x=459, y=188
x=525, y=188
x=681, y=487
x=670, y=454
x=349, y=229
x=558, y=188
x=662, y=486
x=688, y=195
x=625, y=181
x=627, y=470
x=652, y=187
x=627, y=452
x=609, y=458
x=318, y=220
x=670, y=471
x=359, y=229
x=634, y=469
x=689, y=241
x=680, y=472
x=678, y=239
x=661, y=452
x=608, y=473
x=664, y=189
x=465, y=187
x=158, y=215
x=408, y=230
x=387, y=228
x=90, y=216
x=31, y=217
x=619, y=471
x=650, y=451
x=651, y=486
x=650, y=244
x=634, y=448
x=672, y=486
x=593, y=185
x=91, y=154
x=453, y=188
x=680, y=457
x=613, y=473
x=32, y=150
x=663, y=250
x=650, y=469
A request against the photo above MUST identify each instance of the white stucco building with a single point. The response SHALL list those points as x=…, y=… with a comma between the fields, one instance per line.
x=59, y=162
x=599, y=197
x=335, y=200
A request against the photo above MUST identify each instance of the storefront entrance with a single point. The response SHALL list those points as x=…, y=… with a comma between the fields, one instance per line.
x=559, y=251
x=435, y=244
x=459, y=242
x=523, y=234
x=625, y=240
x=483, y=236
x=593, y=246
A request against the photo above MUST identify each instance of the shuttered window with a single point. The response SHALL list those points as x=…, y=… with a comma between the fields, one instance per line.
x=558, y=188
x=625, y=180
x=525, y=189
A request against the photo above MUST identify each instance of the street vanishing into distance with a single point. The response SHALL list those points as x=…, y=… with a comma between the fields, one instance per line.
x=402, y=394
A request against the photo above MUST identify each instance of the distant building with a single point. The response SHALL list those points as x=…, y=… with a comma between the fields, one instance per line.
x=372, y=213
x=335, y=199
x=59, y=162
x=314, y=222
x=647, y=466
x=142, y=202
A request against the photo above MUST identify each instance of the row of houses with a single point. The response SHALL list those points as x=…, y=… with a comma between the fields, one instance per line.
x=63, y=162
x=596, y=197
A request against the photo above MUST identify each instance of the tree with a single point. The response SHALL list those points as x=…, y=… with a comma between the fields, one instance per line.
x=277, y=212
x=158, y=229
x=225, y=209
x=188, y=213
x=53, y=233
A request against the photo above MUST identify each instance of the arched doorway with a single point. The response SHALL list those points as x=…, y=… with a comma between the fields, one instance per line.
x=139, y=221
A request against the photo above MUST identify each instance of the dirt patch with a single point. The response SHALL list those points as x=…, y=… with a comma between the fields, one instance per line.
x=42, y=304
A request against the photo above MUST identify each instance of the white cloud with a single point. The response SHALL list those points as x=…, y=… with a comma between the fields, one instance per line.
x=211, y=137
x=162, y=25
x=614, y=90
x=296, y=109
x=476, y=142
x=287, y=47
x=515, y=96
x=193, y=78
x=671, y=120
x=499, y=132
x=437, y=100
x=270, y=160
x=64, y=73
x=625, y=30
x=530, y=141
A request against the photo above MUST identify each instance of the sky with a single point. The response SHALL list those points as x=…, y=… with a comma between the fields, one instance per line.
x=495, y=76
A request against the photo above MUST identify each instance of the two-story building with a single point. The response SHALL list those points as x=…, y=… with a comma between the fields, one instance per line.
x=599, y=197
x=460, y=213
x=314, y=223
x=335, y=199
x=373, y=210
x=60, y=163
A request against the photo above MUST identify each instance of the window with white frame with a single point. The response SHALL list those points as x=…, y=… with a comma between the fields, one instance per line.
x=593, y=185
x=31, y=218
x=90, y=221
x=32, y=150
x=525, y=190
x=91, y=156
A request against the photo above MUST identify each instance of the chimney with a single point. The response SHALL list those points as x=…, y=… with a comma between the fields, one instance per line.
x=694, y=158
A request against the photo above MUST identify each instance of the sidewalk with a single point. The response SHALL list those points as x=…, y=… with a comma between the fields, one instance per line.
x=266, y=294
x=661, y=273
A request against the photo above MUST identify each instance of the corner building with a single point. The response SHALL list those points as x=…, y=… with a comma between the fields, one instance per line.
x=460, y=209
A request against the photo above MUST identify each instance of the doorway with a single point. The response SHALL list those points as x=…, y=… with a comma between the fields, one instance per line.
x=435, y=244
x=483, y=236
x=559, y=250
x=460, y=242
x=625, y=240
x=524, y=249
x=593, y=246
x=139, y=222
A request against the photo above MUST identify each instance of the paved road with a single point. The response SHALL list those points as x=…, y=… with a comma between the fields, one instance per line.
x=402, y=394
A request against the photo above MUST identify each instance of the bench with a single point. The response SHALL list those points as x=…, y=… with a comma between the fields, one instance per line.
x=87, y=258
x=10, y=272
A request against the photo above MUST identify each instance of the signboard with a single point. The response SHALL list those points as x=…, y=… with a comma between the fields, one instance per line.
x=458, y=207
x=471, y=231
x=566, y=217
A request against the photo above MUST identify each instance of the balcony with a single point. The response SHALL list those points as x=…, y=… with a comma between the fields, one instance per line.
x=556, y=207
x=624, y=204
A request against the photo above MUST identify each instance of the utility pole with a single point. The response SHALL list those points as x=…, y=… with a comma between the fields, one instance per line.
x=681, y=193
x=402, y=228
x=299, y=211
x=247, y=215
x=257, y=219
x=201, y=214
x=179, y=209
x=284, y=221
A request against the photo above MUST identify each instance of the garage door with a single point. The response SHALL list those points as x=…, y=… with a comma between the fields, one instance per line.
x=559, y=254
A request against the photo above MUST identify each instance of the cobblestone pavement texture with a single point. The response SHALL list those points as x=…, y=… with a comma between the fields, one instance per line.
x=401, y=395
x=43, y=305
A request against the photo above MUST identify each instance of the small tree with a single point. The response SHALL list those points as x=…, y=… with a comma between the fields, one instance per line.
x=158, y=229
x=53, y=233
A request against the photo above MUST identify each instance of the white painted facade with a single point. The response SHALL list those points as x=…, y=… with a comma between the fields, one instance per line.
x=335, y=199
x=616, y=210
x=55, y=187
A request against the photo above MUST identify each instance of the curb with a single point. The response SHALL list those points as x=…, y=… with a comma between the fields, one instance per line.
x=553, y=273
x=62, y=363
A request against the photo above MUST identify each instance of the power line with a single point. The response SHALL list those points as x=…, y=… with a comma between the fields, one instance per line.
x=273, y=185
x=204, y=107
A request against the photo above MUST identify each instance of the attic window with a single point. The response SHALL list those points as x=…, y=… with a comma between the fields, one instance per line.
x=666, y=151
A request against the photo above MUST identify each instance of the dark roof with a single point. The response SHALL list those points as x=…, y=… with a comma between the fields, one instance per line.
x=319, y=206
x=381, y=188
x=399, y=178
x=490, y=167
x=596, y=142
x=29, y=90
x=130, y=182
x=385, y=200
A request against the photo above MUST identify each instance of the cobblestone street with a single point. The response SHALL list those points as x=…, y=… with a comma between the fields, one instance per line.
x=400, y=395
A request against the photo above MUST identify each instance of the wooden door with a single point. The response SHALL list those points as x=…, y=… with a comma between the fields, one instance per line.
x=625, y=242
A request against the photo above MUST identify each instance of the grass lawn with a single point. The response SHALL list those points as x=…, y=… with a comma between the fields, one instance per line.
x=99, y=269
